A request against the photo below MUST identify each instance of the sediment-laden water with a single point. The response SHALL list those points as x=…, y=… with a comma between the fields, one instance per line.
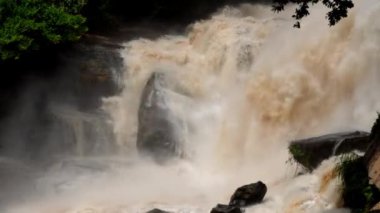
x=242, y=84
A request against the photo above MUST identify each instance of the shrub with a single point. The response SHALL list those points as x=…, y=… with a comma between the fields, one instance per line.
x=30, y=25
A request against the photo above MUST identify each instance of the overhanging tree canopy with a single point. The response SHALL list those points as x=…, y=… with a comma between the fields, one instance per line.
x=338, y=9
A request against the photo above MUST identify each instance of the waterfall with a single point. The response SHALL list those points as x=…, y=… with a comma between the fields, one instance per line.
x=242, y=83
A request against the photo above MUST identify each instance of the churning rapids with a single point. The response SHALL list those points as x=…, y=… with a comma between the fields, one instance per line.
x=243, y=84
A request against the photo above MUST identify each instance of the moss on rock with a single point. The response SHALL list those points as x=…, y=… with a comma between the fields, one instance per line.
x=358, y=194
x=300, y=156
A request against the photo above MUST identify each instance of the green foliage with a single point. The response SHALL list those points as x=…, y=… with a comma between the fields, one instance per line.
x=357, y=193
x=300, y=156
x=338, y=9
x=70, y=6
x=30, y=25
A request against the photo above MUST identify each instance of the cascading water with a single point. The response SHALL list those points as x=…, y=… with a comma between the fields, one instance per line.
x=243, y=84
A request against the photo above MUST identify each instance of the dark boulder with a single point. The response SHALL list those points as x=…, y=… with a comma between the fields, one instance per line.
x=311, y=152
x=156, y=135
x=248, y=194
x=157, y=211
x=221, y=208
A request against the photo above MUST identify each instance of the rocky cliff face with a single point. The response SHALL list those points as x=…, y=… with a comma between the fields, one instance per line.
x=372, y=155
x=60, y=114
x=47, y=118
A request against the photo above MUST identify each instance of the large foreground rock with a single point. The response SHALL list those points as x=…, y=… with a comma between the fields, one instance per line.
x=311, y=152
x=156, y=135
x=248, y=194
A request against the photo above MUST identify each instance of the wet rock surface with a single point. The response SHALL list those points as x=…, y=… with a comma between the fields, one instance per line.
x=310, y=152
x=156, y=135
x=93, y=68
x=243, y=196
x=59, y=114
x=221, y=208
x=157, y=211
x=372, y=156
x=248, y=194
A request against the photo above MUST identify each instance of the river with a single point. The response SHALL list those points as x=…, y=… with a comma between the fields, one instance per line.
x=243, y=84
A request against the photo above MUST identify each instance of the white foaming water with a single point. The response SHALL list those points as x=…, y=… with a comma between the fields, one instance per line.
x=244, y=83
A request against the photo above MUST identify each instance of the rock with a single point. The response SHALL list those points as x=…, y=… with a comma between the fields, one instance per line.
x=248, y=194
x=311, y=152
x=157, y=211
x=156, y=135
x=221, y=208
x=360, y=173
x=91, y=71
x=372, y=156
x=356, y=192
x=243, y=196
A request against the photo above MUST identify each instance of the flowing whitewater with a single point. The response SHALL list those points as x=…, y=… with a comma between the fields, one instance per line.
x=243, y=84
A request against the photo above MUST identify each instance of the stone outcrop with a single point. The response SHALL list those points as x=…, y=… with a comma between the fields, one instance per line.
x=61, y=108
x=372, y=156
x=360, y=176
x=356, y=192
x=243, y=196
x=91, y=70
x=156, y=135
x=248, y=194
x=311, y=152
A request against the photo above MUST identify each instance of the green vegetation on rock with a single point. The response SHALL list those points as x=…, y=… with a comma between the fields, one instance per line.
x=301, y=156
x=357, y=193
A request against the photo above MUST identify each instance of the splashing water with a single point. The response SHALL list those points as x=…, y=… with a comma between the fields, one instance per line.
x=244, y=83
